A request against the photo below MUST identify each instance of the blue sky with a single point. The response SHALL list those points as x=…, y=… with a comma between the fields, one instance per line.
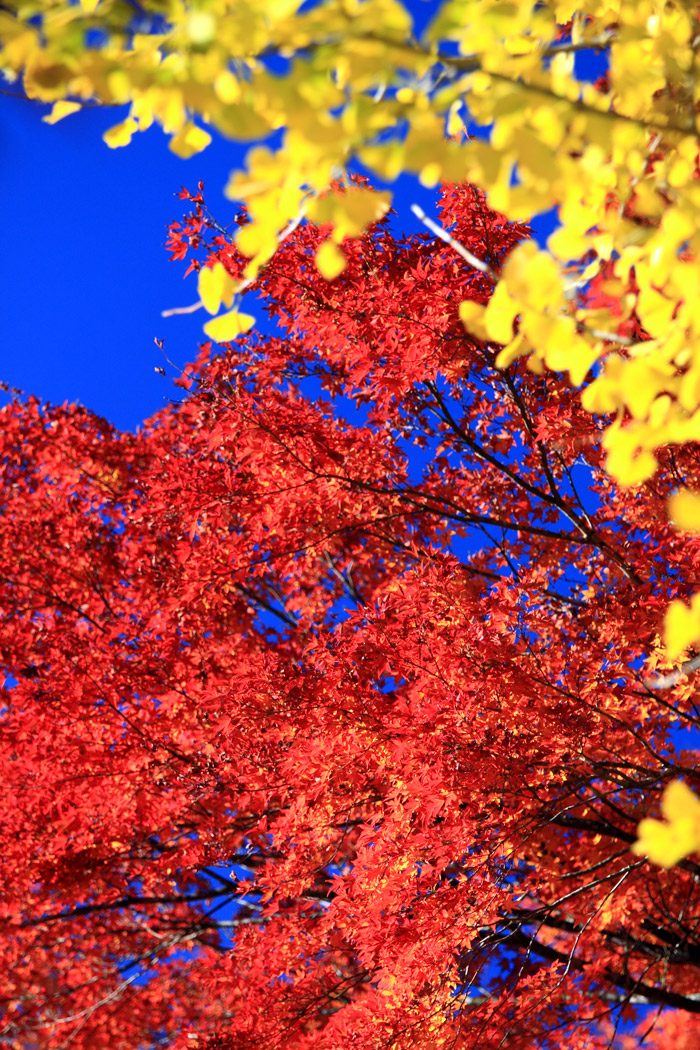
x=83, y=269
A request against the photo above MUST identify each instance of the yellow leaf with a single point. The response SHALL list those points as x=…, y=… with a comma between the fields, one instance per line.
x=350, y=212
x=189, y=140
x=655, y=311
x=684, y=510
x=61, y=109
x=517, y=347
x=629, y=465
x=227, y=87
x=566, y=243
x=581, y=359
x=330, y=261
x=681, y=626
x=471, y=315
x=533, y=277
x=667, y=843
x=455, y=126
x=258, y=240
x=500, y=314
x=215, y=287
x=120, y=134
x=226, y=327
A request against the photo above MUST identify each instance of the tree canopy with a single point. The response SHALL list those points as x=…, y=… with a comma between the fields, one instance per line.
x=338, y=693
x=343, y=699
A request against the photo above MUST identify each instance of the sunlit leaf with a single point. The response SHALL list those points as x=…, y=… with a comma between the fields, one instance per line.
x=330, y=261
x=189, y=140
x=681, y=626
x=59, y=110
x=225, y=327
x=665, y=843
x=684, y=510
x=120, y=134
x=215, y=287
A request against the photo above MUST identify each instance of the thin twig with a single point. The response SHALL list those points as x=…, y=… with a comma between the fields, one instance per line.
x=182, y=309
x=669, y=680
x=478, y=264
x=244, y=285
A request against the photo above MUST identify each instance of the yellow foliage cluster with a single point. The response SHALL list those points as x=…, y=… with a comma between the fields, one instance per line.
x=348, y=79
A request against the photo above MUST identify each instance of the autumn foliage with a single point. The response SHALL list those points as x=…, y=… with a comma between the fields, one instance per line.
x=588, y=109
x=333, y=701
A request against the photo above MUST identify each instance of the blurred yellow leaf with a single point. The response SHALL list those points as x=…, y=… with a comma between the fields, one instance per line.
x=655, y=311
x=517, y=347
x=681, y=626
x=500, y=314
x=534, y=277
x=684, y=510
x=189, y=140
x=215, y=287
x=226, y=327
x=471, y=315
x=350, y=212
x=330, y=261
x=665, y=843
x=120, y=134
x=61, y=109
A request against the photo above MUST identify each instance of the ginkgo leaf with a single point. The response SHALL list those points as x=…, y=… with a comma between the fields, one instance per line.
x=120, y=134
x=227, y=326
x=471, y=315
x=533, y=277
x=330, y=261
x=655, y=311
x=681, y=626
x=59, y=110
x=215, y=286
x=517, y=347
x=189, y=140
x=684, y=510
x=667, y=842
x=500, y=314
x=350, y=212
x=201, y=27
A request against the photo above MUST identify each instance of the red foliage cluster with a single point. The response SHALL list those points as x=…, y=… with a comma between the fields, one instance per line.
x=327, y=723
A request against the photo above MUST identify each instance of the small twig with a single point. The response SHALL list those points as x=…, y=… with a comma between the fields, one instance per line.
x=669, y=680
x=610, y=337
x=478, y=264
x=244, y=285
x=182, y=309
x=84, y=103
x=291, y=227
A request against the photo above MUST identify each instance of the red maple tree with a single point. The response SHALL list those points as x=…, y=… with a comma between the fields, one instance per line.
x=328, y=721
